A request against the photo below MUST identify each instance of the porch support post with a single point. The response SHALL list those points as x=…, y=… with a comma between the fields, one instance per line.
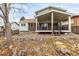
x=69, y=27
x=52, y=22
x=36, y=24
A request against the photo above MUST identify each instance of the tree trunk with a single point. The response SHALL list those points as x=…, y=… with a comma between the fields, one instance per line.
x=8, y=31
x=7, y=24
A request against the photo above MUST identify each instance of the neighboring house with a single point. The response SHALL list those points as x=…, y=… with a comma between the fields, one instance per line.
x=14, y=27
x=1, y=25
x=27, y=24
x=53, y=20
x=1, y=28
x=1, y=31
x=75, y=24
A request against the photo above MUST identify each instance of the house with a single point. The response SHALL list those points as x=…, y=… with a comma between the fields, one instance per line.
x=1, y=28
x=53, y=20
x=15, y=27
x=1, y=31
x=27, y=24
x=1, y=25
x=75, y=24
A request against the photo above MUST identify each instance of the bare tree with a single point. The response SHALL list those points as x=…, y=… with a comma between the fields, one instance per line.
x=5, y=9
x=4, y=14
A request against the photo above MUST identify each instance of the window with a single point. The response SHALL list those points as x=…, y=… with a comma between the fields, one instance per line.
x=44, y=26
x=23, y=24
x=65, y=27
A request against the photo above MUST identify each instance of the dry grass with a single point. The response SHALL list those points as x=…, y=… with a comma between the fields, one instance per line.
x=48, y=47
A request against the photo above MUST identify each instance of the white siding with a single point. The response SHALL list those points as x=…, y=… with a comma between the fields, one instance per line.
x=1, y=29
x=1, y=24
x=23, y=28
x=14, y=26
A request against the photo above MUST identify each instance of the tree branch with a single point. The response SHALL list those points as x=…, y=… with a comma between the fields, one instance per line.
x=1, y=16
x=2, y=11
x=9, y=5
x=19, y=9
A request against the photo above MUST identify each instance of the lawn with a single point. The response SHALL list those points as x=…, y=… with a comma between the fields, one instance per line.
x=52, y=46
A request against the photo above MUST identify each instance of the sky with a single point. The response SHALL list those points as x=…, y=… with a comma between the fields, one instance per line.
x=30, y=8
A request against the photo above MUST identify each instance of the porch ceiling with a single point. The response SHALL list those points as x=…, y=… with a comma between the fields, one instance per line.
x=56, y=17
x=60, y=17
x=44, y=18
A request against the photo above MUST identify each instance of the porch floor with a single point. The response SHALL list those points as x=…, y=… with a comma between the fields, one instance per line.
x=53, y=30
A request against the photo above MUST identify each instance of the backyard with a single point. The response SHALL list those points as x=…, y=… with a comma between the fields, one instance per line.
x=28, y=44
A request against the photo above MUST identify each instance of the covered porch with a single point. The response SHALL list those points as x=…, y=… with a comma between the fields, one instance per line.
x=53, y=22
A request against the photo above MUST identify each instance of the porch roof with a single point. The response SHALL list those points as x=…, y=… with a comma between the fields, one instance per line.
x=51, y=9
x=56, y=17
x=28, y=21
